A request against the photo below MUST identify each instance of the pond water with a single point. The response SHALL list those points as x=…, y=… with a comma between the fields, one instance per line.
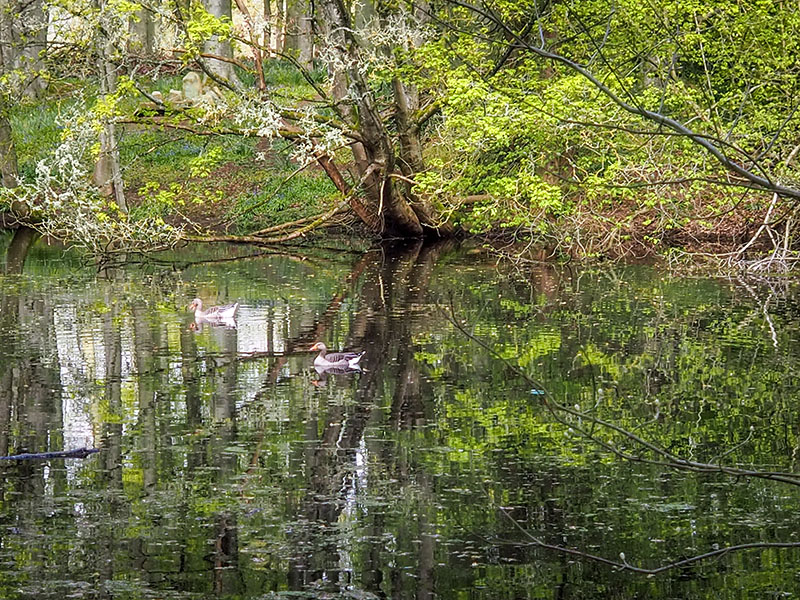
x=507, y=418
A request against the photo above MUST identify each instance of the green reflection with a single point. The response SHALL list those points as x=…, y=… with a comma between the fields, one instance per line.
x=230, y=468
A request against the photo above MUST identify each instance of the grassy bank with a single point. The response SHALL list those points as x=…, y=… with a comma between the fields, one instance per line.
x=221, y=183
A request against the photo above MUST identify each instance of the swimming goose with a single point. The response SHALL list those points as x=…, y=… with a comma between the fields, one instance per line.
x=215, y=313
x=335, y=359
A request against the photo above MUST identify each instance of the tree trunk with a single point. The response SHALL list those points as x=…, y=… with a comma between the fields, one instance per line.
x=17, y=252
x=411, y=161
x=142, y=30
x=374, y=156
x=406, y=101
x=107, y=172
x=24, y=237
x=298, y=32
x=24, y=41
x=220, y=68
x=279, y=26
x=305, y=41
x=384, y=171
x=267, y=26
x=8, y=154
x=7, y=54
x=365, y=14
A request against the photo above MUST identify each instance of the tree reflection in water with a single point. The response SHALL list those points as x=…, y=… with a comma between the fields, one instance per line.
x=230, y=468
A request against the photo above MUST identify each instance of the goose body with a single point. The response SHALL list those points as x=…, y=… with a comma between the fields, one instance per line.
x=215, y=313
x=335, y=360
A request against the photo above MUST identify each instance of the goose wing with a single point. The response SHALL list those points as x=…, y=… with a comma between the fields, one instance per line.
x=226, y=311
x=343, y=357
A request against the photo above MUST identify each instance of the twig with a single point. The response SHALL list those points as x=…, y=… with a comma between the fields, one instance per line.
x=77, y=453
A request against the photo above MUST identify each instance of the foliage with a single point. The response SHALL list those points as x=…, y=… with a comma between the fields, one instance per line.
x=36, y=132
x=280, y=200
x=66, y=204
x=528, y=120
x=510, y=138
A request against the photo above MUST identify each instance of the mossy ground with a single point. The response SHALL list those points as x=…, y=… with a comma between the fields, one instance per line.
x=247, y=186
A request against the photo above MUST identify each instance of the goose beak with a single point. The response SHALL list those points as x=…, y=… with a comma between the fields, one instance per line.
x=314, y=347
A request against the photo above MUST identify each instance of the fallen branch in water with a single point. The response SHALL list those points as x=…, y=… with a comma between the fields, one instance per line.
x=77, y=453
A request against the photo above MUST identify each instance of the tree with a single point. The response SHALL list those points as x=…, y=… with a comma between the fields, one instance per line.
x=670, y=100
x=551, y=118
x=10, y=64
x=107, y=172
x=624, y=95
x=376, y=156
x=361, y=107
x=219, y=63
x=24, y=42
x=299, y=33
x=142, y=31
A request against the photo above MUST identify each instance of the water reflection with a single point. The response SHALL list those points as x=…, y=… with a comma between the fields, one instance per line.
x=231, y=467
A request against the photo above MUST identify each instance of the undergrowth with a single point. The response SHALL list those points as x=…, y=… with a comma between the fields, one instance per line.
x=224, y=182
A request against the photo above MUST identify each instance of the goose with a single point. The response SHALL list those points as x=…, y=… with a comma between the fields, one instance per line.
x=215, y=313
x=335, y=360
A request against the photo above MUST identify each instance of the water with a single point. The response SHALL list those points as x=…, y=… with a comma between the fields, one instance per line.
x=230, y=468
